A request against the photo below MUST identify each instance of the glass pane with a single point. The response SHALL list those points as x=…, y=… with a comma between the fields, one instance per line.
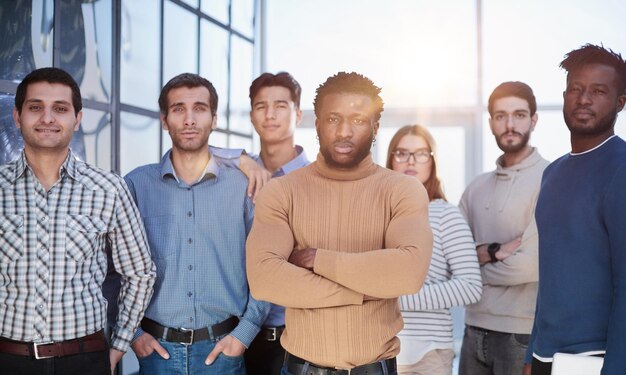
x=11, y=142
x=140, y=51
x=243, y=17
x=139, y=141
x=515, y=51
x=218, y=139
x=193, y=3
x=241, y=63
x=217, y=9
x=424, y=55
x=306, y=137
x=235, y=141
x=85, y=50
x=96, y=126
x=180, y=53
x=27, y=35
x=214, y=65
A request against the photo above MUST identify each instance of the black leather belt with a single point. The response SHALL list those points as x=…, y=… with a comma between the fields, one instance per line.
x=299, y=366
x=271, y=333
x=189, y=336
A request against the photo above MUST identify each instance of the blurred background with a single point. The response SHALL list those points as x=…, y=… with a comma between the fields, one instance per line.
x=436, y=61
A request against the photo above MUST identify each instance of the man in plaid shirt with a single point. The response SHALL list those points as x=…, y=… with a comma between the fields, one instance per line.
x=57, y=217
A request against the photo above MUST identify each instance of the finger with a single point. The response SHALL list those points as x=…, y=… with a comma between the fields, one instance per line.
x=251, y=186
x=160, y=350
x=213, y=355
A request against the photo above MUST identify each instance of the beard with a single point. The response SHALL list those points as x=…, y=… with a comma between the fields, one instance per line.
x=509, y=147
x=590, y=128
x=361, y=152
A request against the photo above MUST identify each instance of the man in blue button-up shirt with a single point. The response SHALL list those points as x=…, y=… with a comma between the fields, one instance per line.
x=197, y=217
x=275, y=113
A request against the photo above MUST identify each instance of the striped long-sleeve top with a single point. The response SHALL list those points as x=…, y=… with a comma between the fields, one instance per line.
x=453, y=280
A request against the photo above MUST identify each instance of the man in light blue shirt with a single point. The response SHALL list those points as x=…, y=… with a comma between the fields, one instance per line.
x=197, y=216
x=275, y=113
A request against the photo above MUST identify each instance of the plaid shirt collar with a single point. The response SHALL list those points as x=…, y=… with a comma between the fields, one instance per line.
x=70, y=166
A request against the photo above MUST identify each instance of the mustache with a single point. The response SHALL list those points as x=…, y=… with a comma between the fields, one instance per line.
x=343, y=142
x=513, y=132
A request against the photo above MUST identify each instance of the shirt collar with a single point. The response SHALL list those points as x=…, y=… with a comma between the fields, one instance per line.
x=167, y=168
x=69, y=166
x=296, y=163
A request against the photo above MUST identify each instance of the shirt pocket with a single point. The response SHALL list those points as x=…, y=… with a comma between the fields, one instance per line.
x=161, y=232
x=11, y=237
x=83, y=236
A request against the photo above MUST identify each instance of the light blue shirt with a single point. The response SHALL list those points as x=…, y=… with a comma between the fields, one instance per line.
x=197, y=235
x=230, y=158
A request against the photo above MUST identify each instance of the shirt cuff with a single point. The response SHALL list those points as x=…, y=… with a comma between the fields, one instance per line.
x=121, y=339
x=245, y=332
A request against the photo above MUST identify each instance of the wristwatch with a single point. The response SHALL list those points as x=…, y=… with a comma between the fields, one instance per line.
x=492, y=249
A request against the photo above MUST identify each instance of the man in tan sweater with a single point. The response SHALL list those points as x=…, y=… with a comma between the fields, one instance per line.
x=338, y=241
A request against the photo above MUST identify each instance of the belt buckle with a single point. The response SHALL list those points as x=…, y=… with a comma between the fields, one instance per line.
x=36, y=349
x=190, y=339
x=274, y=335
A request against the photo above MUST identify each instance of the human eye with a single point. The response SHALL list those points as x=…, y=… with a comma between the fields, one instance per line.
x=599, y=92
x=402, y=153
x=34, y=107
x=60, y=109
x=358, y=121
x=332, y=119
x=572, y=89
x=498, y=117
x=520, y=115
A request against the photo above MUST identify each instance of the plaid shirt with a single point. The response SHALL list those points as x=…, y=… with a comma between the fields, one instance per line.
x=53, y=257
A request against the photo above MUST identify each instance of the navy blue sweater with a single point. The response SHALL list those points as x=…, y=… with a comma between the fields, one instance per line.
x=581, y=219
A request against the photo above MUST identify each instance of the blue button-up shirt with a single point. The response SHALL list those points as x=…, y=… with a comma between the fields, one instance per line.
x=197, y=236
x=229, y=158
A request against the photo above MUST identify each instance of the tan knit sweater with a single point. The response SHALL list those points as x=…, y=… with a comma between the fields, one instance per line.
x=370, y=226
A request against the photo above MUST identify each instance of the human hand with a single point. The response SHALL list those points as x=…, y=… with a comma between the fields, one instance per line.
x=228, y=345
x=114, y=357
x=527, y=369
x=145, y=344
x=257, y=175
x=304, y=258
x=509, y=248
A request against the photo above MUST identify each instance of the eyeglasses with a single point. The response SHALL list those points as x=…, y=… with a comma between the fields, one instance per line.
x=420, y=156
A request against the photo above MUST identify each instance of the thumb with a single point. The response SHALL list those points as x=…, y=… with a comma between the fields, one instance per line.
x=213, y=355
x=161, y=350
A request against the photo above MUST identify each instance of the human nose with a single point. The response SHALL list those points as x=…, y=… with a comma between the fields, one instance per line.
x=412, y=160
x=190, y=119
x=270, y=113
x=344, y=129
x=584, y=97
x=510, y=121
x=47, y=117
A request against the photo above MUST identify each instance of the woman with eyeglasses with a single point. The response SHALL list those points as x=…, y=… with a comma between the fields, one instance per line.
x=454, y=275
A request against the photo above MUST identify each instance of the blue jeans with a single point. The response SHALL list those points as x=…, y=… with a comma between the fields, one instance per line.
x=487, y=352
x=189, y=359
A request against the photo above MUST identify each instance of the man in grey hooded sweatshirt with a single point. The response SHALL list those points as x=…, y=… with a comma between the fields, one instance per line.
x=499, y=207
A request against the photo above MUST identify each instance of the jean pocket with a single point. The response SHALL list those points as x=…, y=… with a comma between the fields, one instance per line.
x=521, y=339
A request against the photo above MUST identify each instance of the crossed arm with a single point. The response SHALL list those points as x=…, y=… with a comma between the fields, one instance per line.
x=317, y=278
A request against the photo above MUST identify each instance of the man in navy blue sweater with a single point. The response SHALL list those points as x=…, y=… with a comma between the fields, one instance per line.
x=581, y=219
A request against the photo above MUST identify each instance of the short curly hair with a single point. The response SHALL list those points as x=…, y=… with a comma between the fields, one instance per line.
x=592, y=54
x=352, y=83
